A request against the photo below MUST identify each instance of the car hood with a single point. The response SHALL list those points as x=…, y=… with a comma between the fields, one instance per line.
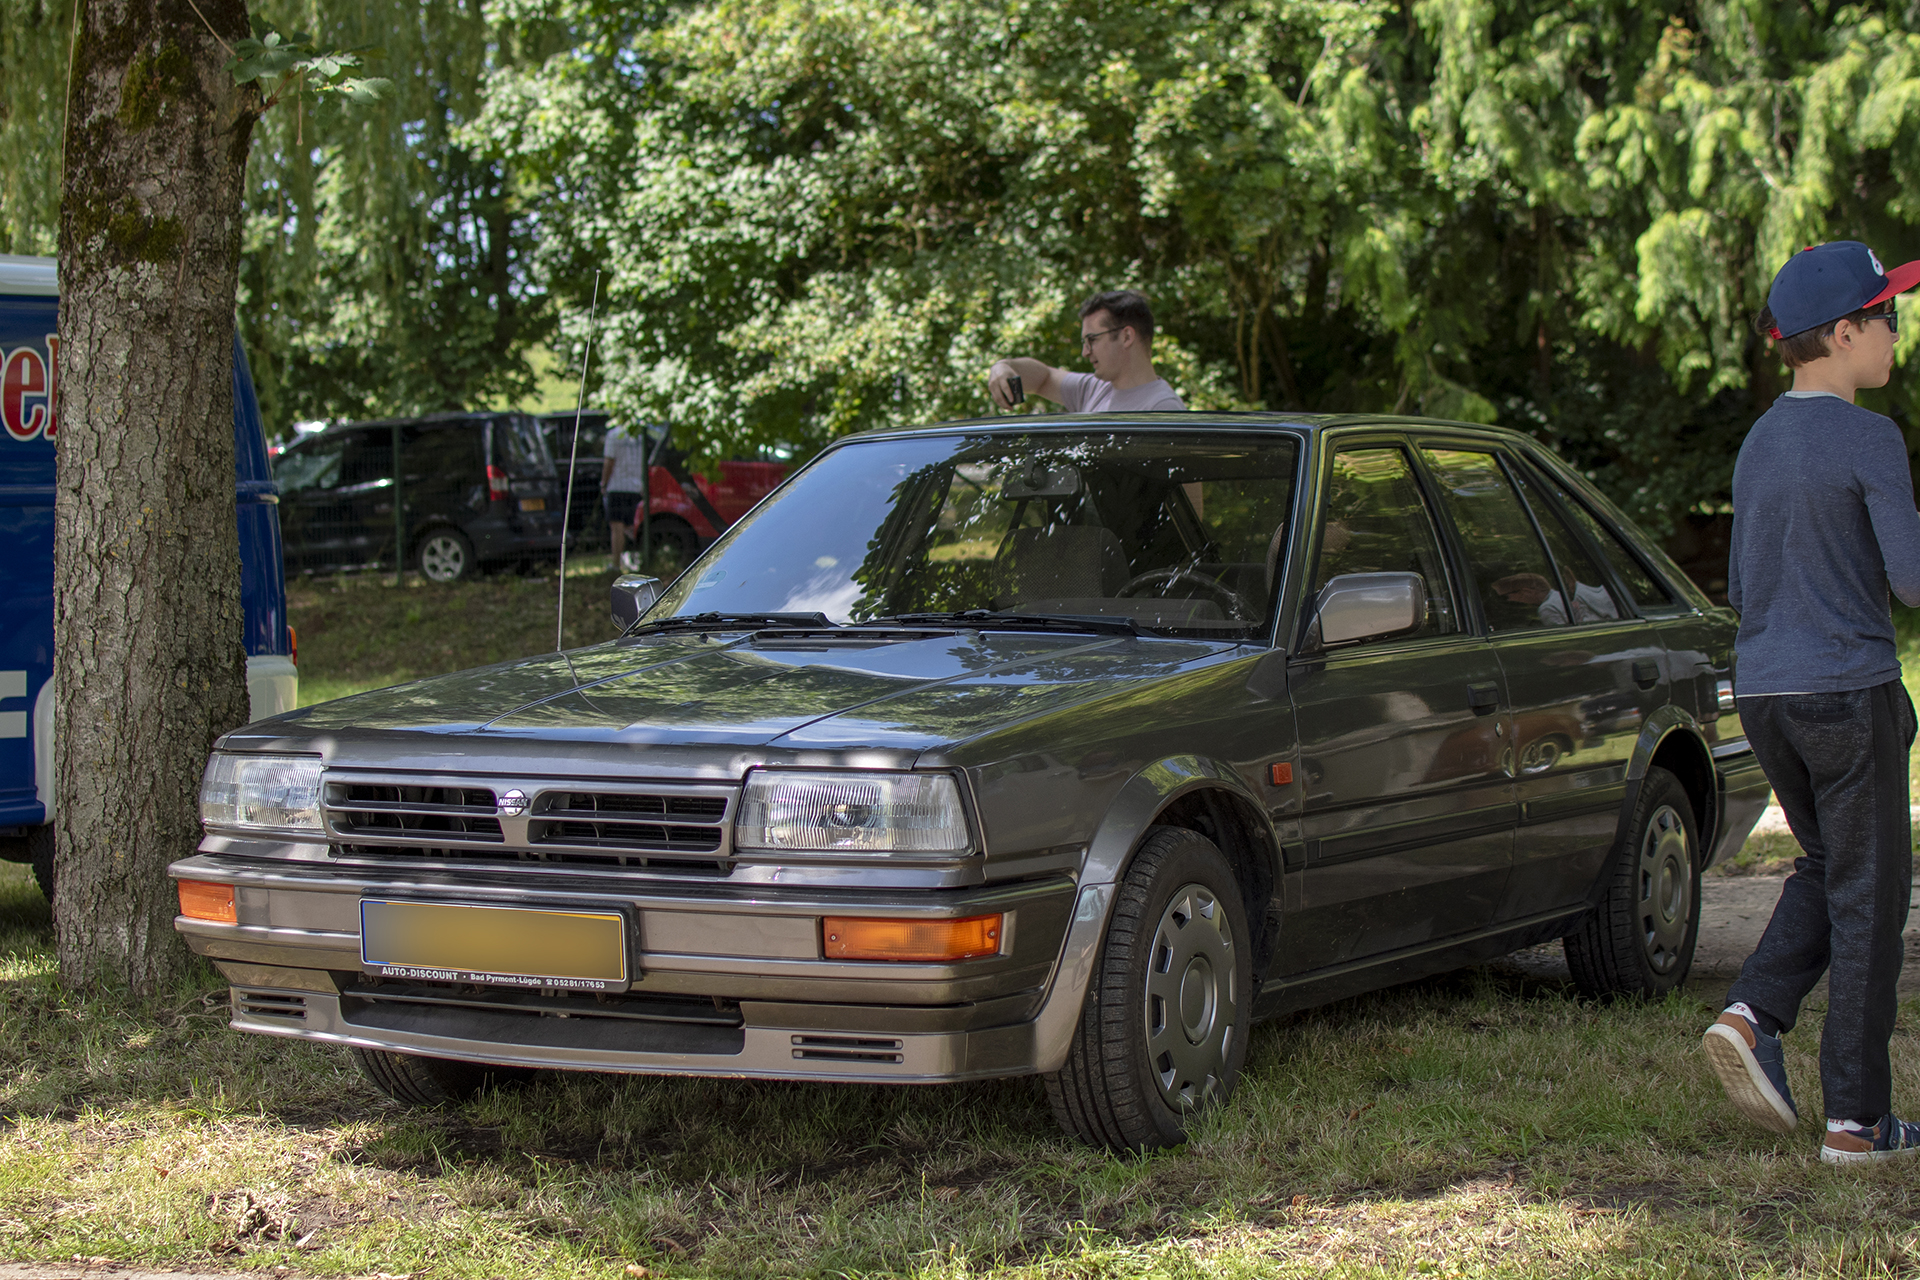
x=766, y=690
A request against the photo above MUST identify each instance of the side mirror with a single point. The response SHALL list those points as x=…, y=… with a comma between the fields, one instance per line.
x=632, y=595
x=1367, y=606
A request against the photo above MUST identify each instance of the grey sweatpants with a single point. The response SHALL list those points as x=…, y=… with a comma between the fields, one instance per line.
x=1838, y=764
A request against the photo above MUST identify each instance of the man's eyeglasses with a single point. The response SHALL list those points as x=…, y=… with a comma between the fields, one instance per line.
x=1086, y=339
x=1892, y=316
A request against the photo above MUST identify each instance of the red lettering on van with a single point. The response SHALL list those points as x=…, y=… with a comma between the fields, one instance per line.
x=53, y=386
x=24, y=376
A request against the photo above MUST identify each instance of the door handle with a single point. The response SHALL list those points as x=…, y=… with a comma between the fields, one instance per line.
x=1483, y=698
x=1646, y=674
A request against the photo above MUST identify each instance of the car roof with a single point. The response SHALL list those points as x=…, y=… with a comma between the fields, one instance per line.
x=1215, y=420
x=452, y=419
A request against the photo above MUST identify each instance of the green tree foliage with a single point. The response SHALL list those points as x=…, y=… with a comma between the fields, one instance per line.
x=34, y=39
x=383, y=266
x=821, y=215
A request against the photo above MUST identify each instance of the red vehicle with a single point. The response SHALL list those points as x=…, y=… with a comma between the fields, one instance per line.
x=686, y=511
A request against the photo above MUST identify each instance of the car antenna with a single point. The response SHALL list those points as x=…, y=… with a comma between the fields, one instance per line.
x=573, y=455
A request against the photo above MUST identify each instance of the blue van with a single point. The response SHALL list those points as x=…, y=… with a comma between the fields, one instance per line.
x=29, y=381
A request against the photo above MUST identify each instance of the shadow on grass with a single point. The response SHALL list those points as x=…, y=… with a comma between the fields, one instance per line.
x=1484, y=1119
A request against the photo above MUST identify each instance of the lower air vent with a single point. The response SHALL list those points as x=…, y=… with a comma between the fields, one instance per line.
x=848, y=1049
x=270, y=1004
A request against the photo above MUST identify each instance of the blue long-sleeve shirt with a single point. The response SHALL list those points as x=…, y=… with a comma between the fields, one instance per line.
x=1823, y=525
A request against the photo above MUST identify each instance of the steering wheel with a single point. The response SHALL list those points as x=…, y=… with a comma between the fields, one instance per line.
x=1231, y=602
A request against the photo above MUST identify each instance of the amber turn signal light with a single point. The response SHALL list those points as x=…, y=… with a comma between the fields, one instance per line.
x=923, y=940
x=200, y=900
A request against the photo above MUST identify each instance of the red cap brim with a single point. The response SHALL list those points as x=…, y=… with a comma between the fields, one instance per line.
x=1899, y=280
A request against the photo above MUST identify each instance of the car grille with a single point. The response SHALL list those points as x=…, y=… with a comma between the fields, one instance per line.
x=667, y=828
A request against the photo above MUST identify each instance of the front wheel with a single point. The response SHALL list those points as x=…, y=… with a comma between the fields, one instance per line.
x=420, y=1081
x=36, y=849
x=444, y=555
x=1163, y=1032
x=1640, y=940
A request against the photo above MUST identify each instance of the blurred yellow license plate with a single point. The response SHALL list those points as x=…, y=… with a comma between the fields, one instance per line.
x=533, y=504
x=503, y=946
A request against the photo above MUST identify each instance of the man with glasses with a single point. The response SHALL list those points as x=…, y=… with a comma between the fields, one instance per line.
x=1116, y=337
x=1823, y=527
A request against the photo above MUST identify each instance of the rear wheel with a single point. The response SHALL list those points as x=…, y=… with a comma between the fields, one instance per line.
x=432, y=1082
x=1163, y=1032
x=444, y=555
x=1640, y=941
x=674, y=537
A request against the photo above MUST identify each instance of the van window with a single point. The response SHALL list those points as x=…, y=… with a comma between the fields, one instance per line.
x=520, y=447
x=310, y=464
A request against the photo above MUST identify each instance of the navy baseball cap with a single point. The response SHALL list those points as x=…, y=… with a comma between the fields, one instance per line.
x=1823, y=282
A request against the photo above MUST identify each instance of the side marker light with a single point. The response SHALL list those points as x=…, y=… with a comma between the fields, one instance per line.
x=1282, y=775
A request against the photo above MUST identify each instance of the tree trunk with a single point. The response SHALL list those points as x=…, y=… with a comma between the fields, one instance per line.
x=146, y=566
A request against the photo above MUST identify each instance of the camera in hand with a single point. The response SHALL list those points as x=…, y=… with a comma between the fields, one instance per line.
x=1016, y=393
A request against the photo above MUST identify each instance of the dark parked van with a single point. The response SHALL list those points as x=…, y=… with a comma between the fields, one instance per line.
x=478, y=491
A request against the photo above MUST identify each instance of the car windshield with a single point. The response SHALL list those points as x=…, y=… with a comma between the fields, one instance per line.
x=1176, y=532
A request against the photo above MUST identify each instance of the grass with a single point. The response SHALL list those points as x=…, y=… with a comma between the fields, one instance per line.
x=359, y=632
x=1485, y=1123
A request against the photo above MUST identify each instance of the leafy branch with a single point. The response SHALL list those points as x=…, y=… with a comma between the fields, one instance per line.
x=283, y=64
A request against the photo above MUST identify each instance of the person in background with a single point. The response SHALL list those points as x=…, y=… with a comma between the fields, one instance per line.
x=1116, y=337
x=1823, y=526
x=622, y=481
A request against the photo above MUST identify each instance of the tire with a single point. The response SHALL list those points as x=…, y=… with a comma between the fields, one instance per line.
x=36, y=849
x=1177, y=958
x=675, y=537
x=1640, y=940
x=445, y=555
x=432, y=1082
x=40, y=844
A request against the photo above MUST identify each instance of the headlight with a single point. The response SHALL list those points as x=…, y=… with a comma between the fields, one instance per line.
x=851, y=813
x=267, y=793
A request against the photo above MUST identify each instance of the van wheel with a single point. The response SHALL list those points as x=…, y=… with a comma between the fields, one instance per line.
x=1163, y=1032
x=1640, y=941
x=444, y=555
x=674, y=537
x=432, y=1082
x=40, y=845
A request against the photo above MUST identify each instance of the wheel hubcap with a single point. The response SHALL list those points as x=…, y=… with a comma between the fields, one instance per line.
x=1192, y=1008
x=442, y=559
x=1666, y=889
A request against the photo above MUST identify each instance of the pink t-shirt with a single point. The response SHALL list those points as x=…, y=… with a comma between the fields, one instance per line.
x=1085, y=393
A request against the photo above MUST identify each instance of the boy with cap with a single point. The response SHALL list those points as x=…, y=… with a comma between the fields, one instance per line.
x=1823, y=524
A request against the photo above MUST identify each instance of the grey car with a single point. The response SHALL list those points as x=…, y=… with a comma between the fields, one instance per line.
x=1059, y=745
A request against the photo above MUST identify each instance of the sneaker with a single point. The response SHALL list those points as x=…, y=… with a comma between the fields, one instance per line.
x=1857, y=1143
x=1753, y=1070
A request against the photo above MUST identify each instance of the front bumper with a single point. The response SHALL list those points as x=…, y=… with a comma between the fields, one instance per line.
x=729, y=981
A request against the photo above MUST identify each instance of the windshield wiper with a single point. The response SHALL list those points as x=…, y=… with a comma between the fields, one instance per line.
x=734, y=622
x=997, y=620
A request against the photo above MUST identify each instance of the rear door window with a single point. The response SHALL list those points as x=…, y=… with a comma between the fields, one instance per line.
x=1582, y=582
x=1510, y=567
x=1646, y=590
x=1375, y=520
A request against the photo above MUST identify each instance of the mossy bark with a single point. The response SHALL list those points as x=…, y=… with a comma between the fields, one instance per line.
x=147, y=625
